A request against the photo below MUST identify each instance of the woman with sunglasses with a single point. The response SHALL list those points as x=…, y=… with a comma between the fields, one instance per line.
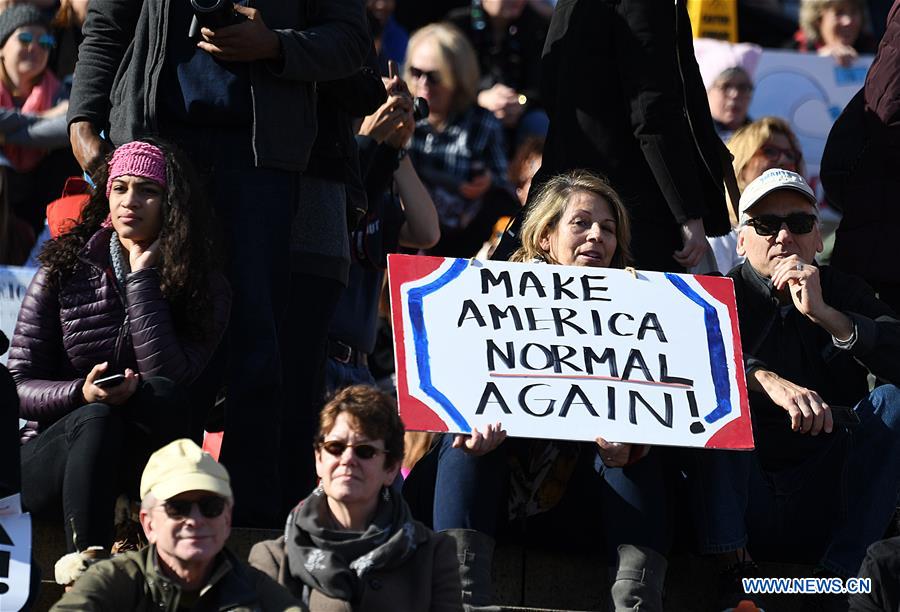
x=458, y=150
x=122, y=317
x=32, y=119
x=764, y=144
x=352, y=544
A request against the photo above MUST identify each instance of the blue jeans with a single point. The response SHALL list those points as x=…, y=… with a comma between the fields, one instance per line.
x=827, y=510
x=470, y=493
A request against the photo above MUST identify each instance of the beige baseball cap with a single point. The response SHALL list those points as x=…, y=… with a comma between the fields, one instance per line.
x=182, y=466
x=769, y=181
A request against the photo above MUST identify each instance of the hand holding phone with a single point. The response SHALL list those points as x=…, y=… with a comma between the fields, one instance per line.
x=107, y=382
x=114, y=389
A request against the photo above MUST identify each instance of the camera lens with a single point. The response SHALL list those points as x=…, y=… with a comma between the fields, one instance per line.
x=207, y=6
x=420, y=109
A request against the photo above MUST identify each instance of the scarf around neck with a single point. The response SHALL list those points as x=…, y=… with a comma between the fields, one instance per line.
x=40, y=99
x=335, y=561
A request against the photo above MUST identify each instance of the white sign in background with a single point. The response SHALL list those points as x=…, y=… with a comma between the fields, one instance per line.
x=467, y=365
x=15, y=554
x=809, y=92
x=13, y=284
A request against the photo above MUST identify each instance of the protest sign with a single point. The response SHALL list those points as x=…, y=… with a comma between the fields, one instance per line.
x=809, y=92
x=13, y=284
x=15, y=554
x=566, y=352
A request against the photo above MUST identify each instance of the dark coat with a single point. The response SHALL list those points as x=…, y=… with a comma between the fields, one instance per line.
x=63, y=332
x=10, y=474
x=116, y=79
x=790, y=345
x=625, y=99
x=861, y=168
x=516, y=62
x=428, y=581
x=133, y=582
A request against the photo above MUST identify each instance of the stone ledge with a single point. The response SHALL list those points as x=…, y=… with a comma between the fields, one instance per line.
x=525, y=580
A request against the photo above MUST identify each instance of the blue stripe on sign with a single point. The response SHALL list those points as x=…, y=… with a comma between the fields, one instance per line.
x=420, y=340
x=718, y=359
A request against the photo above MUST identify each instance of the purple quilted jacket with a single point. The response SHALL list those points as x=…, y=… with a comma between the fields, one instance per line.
x=63, y=332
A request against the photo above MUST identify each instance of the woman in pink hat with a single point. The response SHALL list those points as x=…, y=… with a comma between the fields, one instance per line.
x=121, y=318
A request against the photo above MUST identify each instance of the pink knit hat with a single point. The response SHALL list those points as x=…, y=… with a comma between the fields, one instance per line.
x=137, y=159
x=717, y=56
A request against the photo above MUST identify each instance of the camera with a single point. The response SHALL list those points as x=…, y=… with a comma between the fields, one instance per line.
x=211, y=14
x=420, y=109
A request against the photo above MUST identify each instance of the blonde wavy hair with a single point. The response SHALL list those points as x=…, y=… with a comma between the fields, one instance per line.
x=811, y=14
x=747, y=140
x=458, y=64
x=550, y=204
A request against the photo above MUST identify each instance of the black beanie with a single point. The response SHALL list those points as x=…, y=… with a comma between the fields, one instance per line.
x=17, y=16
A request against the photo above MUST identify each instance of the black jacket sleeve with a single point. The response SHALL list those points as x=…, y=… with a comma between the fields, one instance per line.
x=108, y=30
x=10, y=475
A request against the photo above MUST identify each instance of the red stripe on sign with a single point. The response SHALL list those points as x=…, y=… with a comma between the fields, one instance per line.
x=737, y=434
x=415, y=415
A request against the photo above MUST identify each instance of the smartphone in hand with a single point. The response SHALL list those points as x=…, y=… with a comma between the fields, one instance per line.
x=108, y=382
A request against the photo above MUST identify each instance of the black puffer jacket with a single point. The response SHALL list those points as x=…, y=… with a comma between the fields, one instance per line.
x=63, y=332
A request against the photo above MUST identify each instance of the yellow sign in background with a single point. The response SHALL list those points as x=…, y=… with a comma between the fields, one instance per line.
x=714, y=19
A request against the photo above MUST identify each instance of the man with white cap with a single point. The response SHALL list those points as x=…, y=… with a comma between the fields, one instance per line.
x=186, y=515
x=823, y=481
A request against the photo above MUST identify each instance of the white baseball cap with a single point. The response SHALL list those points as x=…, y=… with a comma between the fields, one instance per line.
x=769, y=181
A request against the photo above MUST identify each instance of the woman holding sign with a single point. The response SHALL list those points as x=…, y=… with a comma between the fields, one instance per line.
x=569, y=490
x=121, y=318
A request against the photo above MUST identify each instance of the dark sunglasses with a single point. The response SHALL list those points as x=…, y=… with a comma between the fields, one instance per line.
x=47, y=41
x=769, y=225
x=362, y=451
x=432, y=77
x=210, y=507
x=773, y=154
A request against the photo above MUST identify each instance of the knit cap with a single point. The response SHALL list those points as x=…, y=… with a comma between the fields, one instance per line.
x=18, y=16
x=137, y=159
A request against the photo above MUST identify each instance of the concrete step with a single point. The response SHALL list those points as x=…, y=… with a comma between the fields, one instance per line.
x=525, y=580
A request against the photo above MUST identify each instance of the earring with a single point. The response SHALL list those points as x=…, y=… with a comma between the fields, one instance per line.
x=386, y=494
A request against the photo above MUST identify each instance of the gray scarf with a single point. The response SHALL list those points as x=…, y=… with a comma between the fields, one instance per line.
x=334, y=561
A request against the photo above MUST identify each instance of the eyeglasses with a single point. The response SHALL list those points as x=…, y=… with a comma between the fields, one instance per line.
x=741, y=89
x=210, y=507
x=432, y=77
x=46, y=41
x=769, y=225
x=362, y=451
x=774, y=153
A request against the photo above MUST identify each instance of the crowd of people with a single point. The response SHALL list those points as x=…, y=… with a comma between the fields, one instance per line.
x=233, y=180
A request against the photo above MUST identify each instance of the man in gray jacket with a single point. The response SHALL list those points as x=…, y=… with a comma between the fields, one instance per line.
x=239, y=96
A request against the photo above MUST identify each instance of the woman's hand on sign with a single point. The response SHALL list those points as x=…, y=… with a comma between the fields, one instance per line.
x=481, y=443
x=614, y=454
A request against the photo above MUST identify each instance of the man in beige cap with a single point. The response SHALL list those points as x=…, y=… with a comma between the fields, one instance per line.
x=822, y=484
x=186, y=515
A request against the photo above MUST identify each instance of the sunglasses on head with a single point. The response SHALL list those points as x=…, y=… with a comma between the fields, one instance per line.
x=432, y=77
x=362, y=451
x=774, y=153
x=210, y=507
x=44, y=40
x=769, y=225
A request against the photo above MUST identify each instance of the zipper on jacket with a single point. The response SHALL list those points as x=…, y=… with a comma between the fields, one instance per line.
x=115, y=285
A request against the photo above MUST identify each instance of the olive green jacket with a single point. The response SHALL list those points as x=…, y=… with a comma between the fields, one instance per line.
x=134, y=582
